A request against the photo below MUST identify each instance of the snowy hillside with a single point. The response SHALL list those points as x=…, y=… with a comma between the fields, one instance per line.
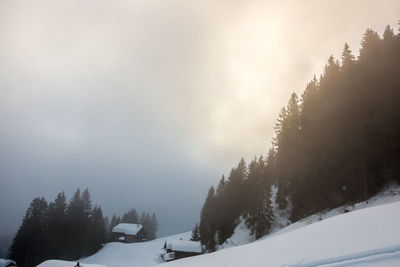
x=364, y=237
x=366, y=234
x=133, y=255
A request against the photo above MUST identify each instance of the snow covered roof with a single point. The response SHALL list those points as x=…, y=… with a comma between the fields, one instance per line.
x=127, y=228
x=186, y=246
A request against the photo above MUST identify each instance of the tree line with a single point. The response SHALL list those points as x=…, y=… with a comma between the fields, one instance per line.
x=67, y=231
x=338, y=143
x=58, y=230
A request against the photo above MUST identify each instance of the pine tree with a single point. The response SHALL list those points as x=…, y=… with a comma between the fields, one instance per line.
x=287, y=142
x=150, y=225
x=96, y=231
x=77, y=223
x=86, y=202
x=114, y=222
x=130, y=217
x=221, y=210
x=370, y=46
x=221, y=187
x=260, y=219
x=329, y=79
x=207, y=226
x=29, y=244
x=56, y=227
x=258, y=216
x=309, y=100
x=195, y=233
x=153, y=225
x=348, y=59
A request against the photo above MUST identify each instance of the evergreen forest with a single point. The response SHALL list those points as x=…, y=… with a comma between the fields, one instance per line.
x=337, y=143
x=68, y=231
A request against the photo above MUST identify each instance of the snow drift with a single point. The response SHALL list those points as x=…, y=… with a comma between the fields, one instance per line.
x=140, y=254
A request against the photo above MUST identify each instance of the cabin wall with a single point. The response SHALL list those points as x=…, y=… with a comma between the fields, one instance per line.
x=181, y=254
x=128, y=238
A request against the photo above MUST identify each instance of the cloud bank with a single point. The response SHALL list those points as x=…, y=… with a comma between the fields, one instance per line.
x=148, y=102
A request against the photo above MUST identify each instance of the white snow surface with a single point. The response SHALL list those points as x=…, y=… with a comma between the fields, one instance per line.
x=3, y=262
x=281, y=217
x=140, y=254
x=241, y=236
x=186, y=246
x=60, y=263
x=367, y=235
x=127, y=228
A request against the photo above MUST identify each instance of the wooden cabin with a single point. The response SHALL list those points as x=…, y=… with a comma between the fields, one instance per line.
x=128, y=233
x=178, y=249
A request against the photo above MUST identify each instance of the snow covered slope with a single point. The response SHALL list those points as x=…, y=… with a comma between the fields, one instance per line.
x=60, y=263
x=133, y=255
x=364, y=237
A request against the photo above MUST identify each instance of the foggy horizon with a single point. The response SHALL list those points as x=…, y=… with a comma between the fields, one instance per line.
x=148, y=103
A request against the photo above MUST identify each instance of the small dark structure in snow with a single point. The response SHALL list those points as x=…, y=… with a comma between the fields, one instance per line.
x=128, y=233
x=181, y=249
x=7, y=263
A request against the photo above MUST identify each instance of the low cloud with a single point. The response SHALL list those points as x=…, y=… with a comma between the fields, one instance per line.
x=148, y=102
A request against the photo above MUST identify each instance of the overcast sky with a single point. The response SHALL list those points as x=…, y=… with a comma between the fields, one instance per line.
x=147, y=103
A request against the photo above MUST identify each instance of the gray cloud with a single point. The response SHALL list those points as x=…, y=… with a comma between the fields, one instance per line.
x=148, y=102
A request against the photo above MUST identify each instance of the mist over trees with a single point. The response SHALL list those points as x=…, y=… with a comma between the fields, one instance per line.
x=338, y=143
x=68, y=231
x=58, y=230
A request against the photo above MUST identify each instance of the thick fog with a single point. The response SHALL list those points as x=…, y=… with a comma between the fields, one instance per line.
x=147, y=103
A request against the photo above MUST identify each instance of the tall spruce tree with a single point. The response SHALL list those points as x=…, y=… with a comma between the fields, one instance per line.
x=258, y=215
x=208, y=221
x=77, y=222
x=96, y=231
x=221, y=209
x=29, y=244
x=56, y=227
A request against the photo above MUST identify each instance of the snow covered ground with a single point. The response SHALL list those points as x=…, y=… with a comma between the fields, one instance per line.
x=60, y=263
x=133, y=255
x=6, y=263
x=367, y=235
x=240, y=236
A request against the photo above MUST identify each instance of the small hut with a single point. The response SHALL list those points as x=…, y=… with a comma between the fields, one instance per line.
x=181, y=249
x=128, y=233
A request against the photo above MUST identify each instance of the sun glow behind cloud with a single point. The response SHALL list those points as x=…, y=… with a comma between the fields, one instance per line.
x=96, y=89
x=252, y=46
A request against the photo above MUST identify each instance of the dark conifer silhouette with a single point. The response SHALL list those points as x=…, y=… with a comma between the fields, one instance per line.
x=58, y=230
x=195, y=233
x=339, y=143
